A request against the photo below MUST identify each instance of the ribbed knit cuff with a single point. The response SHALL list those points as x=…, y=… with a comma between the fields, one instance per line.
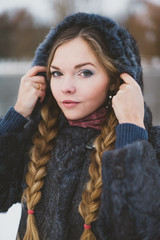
x=128, y=133
x=12, y=121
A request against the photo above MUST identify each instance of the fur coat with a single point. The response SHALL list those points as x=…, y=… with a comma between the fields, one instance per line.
x=130, y=200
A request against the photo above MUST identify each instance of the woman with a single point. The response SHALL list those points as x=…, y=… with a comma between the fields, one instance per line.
x=92, y=171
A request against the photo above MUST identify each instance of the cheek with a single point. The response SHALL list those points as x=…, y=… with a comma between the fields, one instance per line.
x=98, y=93
x=100, y=86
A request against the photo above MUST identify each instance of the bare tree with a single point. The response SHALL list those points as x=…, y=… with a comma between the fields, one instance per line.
x=144, y=26
x=19, y=34
x=63, y=8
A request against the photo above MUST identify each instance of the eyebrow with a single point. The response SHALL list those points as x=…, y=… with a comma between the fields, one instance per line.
x=77, y=66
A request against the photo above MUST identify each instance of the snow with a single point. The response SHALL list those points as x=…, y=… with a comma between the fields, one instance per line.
x=9, y=222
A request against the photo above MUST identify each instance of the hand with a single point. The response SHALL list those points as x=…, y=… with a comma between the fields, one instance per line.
x=128, y=103
x=31, y=88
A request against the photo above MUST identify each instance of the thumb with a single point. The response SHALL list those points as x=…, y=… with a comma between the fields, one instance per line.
x=127, y=78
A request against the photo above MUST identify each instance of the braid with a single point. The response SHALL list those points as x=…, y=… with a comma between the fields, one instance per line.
x=90, y=203
x=37, y=167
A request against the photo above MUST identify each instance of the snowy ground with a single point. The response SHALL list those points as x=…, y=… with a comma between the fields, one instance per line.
x=9, y=223
x=14, y=67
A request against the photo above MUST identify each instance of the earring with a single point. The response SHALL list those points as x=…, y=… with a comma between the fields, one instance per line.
x=109, y=101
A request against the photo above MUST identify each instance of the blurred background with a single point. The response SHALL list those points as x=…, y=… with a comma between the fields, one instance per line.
x=24, y=24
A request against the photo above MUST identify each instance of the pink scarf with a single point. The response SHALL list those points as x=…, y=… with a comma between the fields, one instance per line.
x=94, y=120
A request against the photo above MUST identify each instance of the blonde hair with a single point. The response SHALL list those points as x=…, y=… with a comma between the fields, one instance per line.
x=43, y=140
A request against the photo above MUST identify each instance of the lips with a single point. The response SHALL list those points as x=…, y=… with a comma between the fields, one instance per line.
x=70, y=103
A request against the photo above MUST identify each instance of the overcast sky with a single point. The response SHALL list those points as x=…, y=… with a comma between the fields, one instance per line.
x=42, y=9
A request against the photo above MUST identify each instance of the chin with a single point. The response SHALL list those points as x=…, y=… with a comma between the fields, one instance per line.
x=73, y=117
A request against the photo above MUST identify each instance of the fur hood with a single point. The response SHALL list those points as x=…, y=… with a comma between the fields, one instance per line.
x=121, y=46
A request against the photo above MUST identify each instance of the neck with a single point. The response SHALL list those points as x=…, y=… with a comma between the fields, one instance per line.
x=93, y=120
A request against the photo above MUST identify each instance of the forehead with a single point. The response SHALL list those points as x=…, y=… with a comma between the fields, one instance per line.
x=76, y=49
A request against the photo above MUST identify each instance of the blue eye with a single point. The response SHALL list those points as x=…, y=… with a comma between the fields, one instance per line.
x=86, y=73
x=56, y=74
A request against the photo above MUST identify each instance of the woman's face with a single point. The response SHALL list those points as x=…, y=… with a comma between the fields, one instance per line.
x=79, y=83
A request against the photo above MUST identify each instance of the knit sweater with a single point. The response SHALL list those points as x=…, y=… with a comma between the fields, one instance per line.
x=130, y=196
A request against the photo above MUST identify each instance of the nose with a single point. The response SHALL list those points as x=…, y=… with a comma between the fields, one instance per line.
x=68, y=86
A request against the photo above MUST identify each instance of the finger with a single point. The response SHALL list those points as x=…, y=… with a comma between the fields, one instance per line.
x=41, y=95
x=34, y=70
x=38, y=79
x=40, y=86
x=38, y=93
x=127, y=78
x=123, y=86
x=42, y=98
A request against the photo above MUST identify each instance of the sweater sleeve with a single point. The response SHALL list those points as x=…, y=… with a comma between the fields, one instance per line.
x=128, y=133
x=12, y=121
x=13, y=159
x=130, y=197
